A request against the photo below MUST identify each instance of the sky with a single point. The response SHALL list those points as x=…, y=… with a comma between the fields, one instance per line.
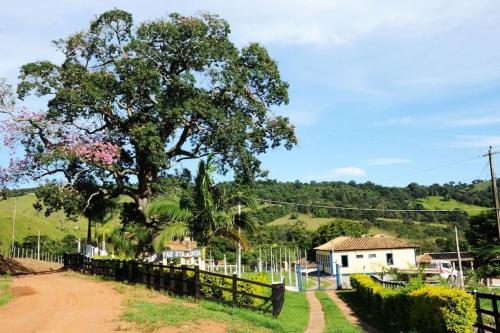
x=385, y=91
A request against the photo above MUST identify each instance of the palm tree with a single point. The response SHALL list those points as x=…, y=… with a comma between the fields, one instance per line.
x=211, y=213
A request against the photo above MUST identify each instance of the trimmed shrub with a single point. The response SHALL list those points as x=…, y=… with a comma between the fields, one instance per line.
x=442, y=309
x=424, y=308
x=210, y=284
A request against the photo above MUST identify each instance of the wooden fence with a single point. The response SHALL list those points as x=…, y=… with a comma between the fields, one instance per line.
x=486, y=315
x=20, y=252
x=185, y=281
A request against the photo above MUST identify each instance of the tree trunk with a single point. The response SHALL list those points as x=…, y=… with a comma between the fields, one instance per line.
x=142, y=203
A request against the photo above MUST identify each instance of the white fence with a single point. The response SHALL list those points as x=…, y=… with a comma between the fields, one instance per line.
x=20, y=252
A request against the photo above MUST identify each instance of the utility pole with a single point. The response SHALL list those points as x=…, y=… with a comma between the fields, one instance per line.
x=494, y=187
x=459, y=260
x=239, y=242
x=14, y=224
x=38, y=247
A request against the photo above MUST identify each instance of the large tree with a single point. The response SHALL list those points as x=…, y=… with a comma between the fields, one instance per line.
x=128, y=103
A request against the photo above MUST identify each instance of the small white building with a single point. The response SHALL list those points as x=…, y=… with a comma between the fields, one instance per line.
x=365, y=254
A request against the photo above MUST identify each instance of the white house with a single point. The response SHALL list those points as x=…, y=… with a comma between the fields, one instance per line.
x=365, y=254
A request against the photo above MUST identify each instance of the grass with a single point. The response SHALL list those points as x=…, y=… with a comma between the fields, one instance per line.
x=363, y=310
x=335, y=322
x=5, y=294
x=151, y=310
x=178, y=312
x=436, y=202
x=28, y=222
x=312, y=223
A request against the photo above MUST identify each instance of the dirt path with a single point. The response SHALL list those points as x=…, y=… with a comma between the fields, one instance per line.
x=349, y=314
x=58, y=303
x=316, y=322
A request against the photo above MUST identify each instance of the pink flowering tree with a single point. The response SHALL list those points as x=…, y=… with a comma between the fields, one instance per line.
x=130, y=102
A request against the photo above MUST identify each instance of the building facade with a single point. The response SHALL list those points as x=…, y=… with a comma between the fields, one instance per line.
x=365, y=254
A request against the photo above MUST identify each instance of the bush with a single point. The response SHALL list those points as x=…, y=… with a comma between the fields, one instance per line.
x=211, y=288
x=442, y=309
x=424, y=308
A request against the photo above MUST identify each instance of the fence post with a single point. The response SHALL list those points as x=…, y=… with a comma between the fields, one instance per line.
x=277, y=297
x=197, y=282
x=495, y=311
x=234, y=289
x=161, y=282
x=479, y=315
x=184, y=280
x=172, y=278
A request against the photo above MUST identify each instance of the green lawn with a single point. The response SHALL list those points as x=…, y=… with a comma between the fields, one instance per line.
x=335, y=322
x=178, y=312
x=5, y=294
x=434, y=202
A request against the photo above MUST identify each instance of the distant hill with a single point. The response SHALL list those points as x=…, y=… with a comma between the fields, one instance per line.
x=29, y=222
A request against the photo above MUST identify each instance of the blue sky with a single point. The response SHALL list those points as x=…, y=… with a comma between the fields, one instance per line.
x=384, y=91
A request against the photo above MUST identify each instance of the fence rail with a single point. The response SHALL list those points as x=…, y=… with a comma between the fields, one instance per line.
x=185, y=281
x=487, y=316
x=26, y=253
x=389, y=284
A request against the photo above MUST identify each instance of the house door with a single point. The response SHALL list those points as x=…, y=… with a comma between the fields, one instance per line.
x=390, y=259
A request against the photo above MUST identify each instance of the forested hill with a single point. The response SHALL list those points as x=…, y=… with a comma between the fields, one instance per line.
x=466, y=198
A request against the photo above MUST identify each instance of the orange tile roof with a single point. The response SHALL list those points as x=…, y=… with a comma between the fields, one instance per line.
x=365, y=243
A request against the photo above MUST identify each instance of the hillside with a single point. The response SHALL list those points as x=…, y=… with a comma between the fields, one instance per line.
x=436, y=202
x=28, y=222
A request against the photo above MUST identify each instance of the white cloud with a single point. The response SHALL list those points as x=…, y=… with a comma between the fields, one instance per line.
x=394, y=121
x=473, y=121
x=387, y=161
x=474, y=141
x=343, y=173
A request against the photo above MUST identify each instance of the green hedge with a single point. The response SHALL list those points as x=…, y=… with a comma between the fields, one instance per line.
x=249, y=288
x=424, y=308
x=442, y=309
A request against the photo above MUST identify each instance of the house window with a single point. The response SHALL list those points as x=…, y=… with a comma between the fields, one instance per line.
x=359, y=256
x=390, y=259
x=372, y=255
x=345, y=261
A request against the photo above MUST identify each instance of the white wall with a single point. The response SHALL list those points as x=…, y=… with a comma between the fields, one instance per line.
x=402, y=258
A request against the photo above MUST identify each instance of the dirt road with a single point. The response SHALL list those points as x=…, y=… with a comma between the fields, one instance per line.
x=58, y=303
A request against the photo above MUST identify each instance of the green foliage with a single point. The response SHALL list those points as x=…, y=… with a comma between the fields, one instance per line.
x=425, y=308
x=338, y=228
x=212, y=282
x=163, y=91
x=442, y=309
x=483, y=236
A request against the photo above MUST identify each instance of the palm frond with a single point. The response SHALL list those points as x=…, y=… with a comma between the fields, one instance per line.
x=169, y=233
x=168, y=209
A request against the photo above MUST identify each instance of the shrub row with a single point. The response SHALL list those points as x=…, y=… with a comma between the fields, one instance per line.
x=423, y=308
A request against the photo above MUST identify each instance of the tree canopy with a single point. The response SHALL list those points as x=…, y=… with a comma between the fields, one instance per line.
x=129, y=102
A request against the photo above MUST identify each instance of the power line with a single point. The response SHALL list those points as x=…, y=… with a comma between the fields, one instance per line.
x=432, y=168
x=369, y=209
